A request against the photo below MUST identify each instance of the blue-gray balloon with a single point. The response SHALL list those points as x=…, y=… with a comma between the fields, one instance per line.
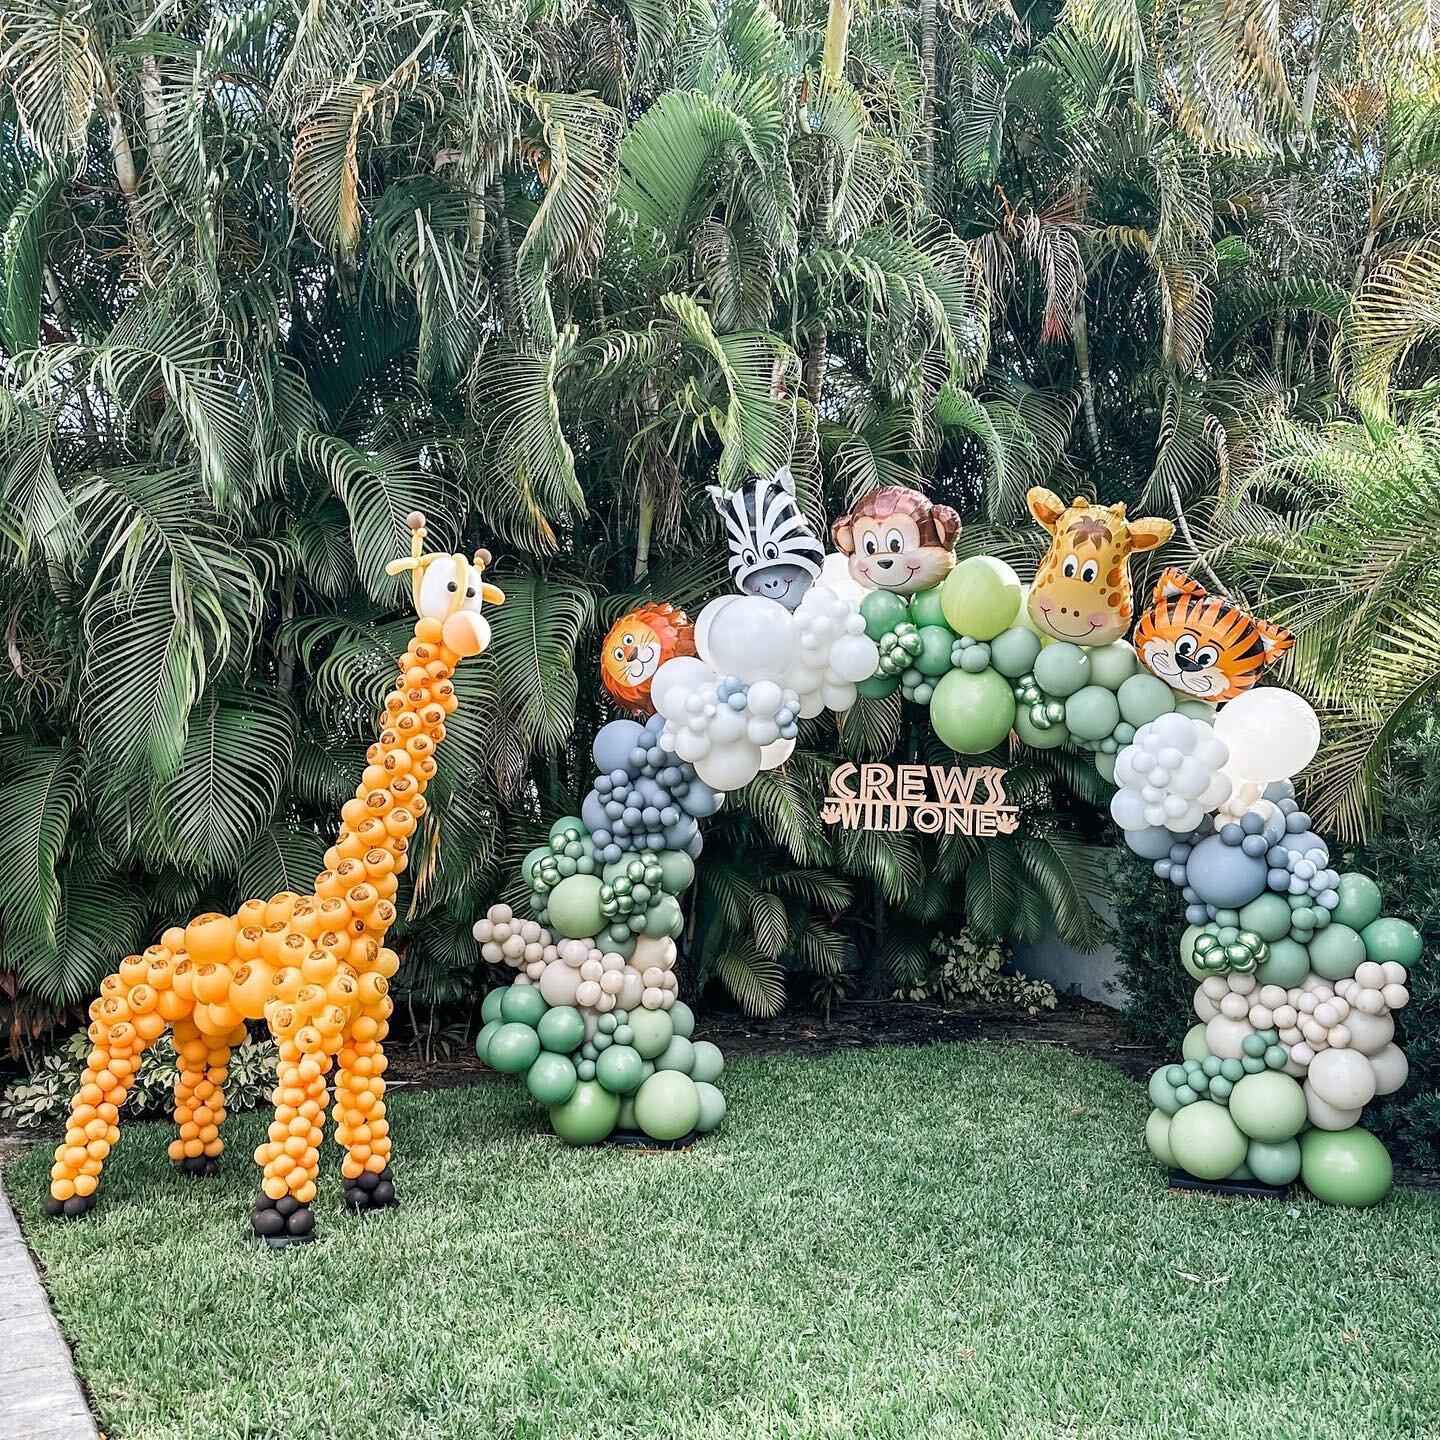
x=1151, y=843
x=614, y=744
x=697, y=843
x=592, y=812
x=1224, y=875
x=701, y=799
x=677, y=836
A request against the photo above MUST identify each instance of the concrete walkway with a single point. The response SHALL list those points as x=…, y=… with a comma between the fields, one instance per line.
x=40, y=1397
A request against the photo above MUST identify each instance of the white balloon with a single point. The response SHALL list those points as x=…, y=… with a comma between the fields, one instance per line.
x=752, y=638
x=761, y=732
x=1191, y=779
x=812, y=702
x=1325, y=1116
x=1272, y=734
x=729, y=767
x=652, y=954
x=854, y=658
x=835, y=577
x=703, y=621
x=727, y=725
x=1390, y=1068
x=691, y=745
x=629, y=997
x=777, y=752
x=765, y=698
x=840, y=696
x=675, y=680
x=1127, y=809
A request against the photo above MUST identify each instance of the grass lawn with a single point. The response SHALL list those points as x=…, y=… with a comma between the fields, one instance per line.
x=961, y=1240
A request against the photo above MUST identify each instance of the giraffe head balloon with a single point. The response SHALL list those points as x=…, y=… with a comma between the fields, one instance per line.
x=448, y=588
x=1082, y=589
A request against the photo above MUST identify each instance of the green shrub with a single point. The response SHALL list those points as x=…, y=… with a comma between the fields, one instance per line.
x=972, y=971
x=44, y=1095
x=1148, y=920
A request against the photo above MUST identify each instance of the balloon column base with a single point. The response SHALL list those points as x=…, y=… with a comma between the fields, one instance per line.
x=282, y=1222
x=77, y=1207
x=1250, y=1189
x=372, y=1191
x=199, y=1167
x=639, y=1140
x=284, y=1242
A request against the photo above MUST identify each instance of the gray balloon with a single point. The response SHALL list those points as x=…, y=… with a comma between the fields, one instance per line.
x=1151, y=843
x=592, y=812
x=1224, y=875
x=614, y=743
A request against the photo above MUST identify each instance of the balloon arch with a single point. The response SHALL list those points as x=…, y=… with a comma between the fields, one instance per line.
x=1298, y=973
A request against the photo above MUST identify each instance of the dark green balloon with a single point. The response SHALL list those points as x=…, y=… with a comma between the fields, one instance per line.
x=882, y=612
x=1335, y=951
x=1390, y=939
x=926, y=609
x=935, y=643
x=513, y=1048
x=877, y=687
x=1360, y=900
x=588, y=1116
x=677, y=870
x=551, y=1079
x=561, y=1029
x=523, y=1003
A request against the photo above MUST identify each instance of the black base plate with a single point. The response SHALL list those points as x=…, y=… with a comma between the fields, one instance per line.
x=1253, y=1189
x=639, y=1140
x=284, y=1242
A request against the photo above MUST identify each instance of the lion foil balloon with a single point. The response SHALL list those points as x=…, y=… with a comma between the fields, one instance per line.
x=638, y=644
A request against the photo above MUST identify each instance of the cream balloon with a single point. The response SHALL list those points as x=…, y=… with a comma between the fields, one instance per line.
x=558, y=983
x=1325, y=1116
x=1391, y=1069
x=752, y=638
x=1343, y=1078
x=1271, y=734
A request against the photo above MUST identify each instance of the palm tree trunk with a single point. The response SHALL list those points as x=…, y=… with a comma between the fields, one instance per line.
x=927, y=100
x=1080, y=329
x=837, y=39
x=505, y=256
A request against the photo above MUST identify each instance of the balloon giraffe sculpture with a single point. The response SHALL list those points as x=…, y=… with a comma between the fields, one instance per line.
x=314, y=967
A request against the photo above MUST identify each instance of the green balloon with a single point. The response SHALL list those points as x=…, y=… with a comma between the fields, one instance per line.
x=513, y=1048
x=1063, y=669
x=651, y=1032
x=677, y=871
x=1091, y=713
x=972, y=713
x=482, y=1040
x=1345, y=1167
x=1187, y=952
x=682, y=1019
x=527, y=865
x=934, y=656
x=1206, y=1141
x=588, y=1116
x=1047, y=739
x=1201, y=710
x=980, y=597
x=712, y=1107
x=1360, y=900
x=619, y=1069
x=568, y=822
x=709, y=1062
x=551, y=1079
x=623, y=946
x=926, y=608
x=1143, y=698
x=1335, y=951
x=877, y=687
x=1157, y=1137
x=1013, y=652
x=1104, y=766
x=1112, y=665
x=883, y=611
x=626, y=1118
x=1274, y=1164
x=1268, y=1106
x=1286, y=964
x=1268, y=916
x=679, y=1055
x=490, y=1005
x=1162, y=1093
x=667, y=1105
x=522, y=1003
x=561, y=1029
x=664, y=918
x=1388, y=939
x=1194, y=1046
x=574, y=906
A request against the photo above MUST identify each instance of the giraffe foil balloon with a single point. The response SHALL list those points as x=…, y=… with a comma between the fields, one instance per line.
x=314, y=967
x=1082, y=591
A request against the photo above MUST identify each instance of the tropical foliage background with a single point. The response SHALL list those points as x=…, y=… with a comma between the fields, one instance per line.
x=275, y=274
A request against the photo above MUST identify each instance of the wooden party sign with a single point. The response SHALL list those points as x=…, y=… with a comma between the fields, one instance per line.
x=932, y=799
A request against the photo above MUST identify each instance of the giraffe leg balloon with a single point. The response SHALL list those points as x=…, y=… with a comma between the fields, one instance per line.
x=314, y=967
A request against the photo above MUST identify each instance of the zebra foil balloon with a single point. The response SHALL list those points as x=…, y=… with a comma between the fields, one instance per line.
x=773, y=551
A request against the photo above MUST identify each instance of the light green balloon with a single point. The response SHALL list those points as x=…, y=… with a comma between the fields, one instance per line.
x=529, y=862
x=1388, y=939
x=1194, y=1046
x=1286, y=964
x=574, y=906
x=568, y=822
x=712, y=1107
x=523, y=1003
x=1205, y=1141
x=483, y=1039
x=1268, y=916
x=1091, y=713
x=1335, y=952
x=1276, y=1164
x=667, y=1105
x=1360, y=900
x=1200, y=710
x=513, y=1048
x=1105, y=766
x=551, y=1079
x=1345, y=1167
x=626, y=1119
x=709, y=1062
x=1143, y=698
x=1062, y=669
x=1048, y=739
x=1013, y=651
x=561, y=1029
x=664, y=918
x=980, y=597
x=682, y=1019
x=588, y=1116
x=490, y=1005
x=677, y=871
x=972, y=713
x=1157, y=1137
x=1112, y=665
x=882, y=611
x=620, y=1069
x=926, y=608
x=679, y=1055
x=1268, y=1106
x=1187, y=952
x=1025, y=621
x=652, y=1032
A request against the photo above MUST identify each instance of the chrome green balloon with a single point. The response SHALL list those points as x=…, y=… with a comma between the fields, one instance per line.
x=1345, y=1167
x=1206, y=1141
x=551, y=1079
x=619, y=1069
x=972, y=713
x=1389, y=939
x=588, y=1116
x=709, y=1062
x=561, y=1029
x=1268, y=1106
x=513, y=1048
x=522, y=1003
x=1360, y=900
x=527, y=865
x=1274, y=1164
x=651, y=1032
x=667, y=1105
x=712, y=1107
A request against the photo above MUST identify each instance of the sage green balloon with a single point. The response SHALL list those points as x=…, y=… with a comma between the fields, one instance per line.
x=1013, y=652
x=651, y=1032
x=551, y=1079
x=882, y=611
x=677, y=871
x=877, y=687
x=1268, y=1106
x=667, y=1105
x=483, y=1039
x=1268, y=916
x=561, y=1029
x=1274, y=1164
x=1335, y=951
x=709, y=1062
x=569, y=822
x=1143, y=698
x=712, y=1107
x=1187, y=951
x=664, y=918
x=620, y=1069
x=1360, y=900
x=679, y=1055
x=1205, y=1141
x=1194, y=1046
x=1388, y=939
x=980, y=597
x=1345, y=1167
x=1157, y=1137
x=1048, y=739
x=528, y=863
x=1112, y=665
x=1062, y=669
x=574, y=906
x=626, y=1119
x=1091, y=713
x=926, y=608
x=513, y=1048
x=936, y=642
x=490, y=1005
x=1286, y=964
x=972, y=713
x=682, y=1019
x=1105, y=767
x=624, y=947
x=1201, y=710
x=588, y=1116
x=522, y=1003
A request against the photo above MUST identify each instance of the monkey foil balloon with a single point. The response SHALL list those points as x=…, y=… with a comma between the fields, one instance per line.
x=898, y=540
x=773, y=551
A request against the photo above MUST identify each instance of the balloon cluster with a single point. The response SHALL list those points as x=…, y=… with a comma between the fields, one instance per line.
x=1170, y=775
